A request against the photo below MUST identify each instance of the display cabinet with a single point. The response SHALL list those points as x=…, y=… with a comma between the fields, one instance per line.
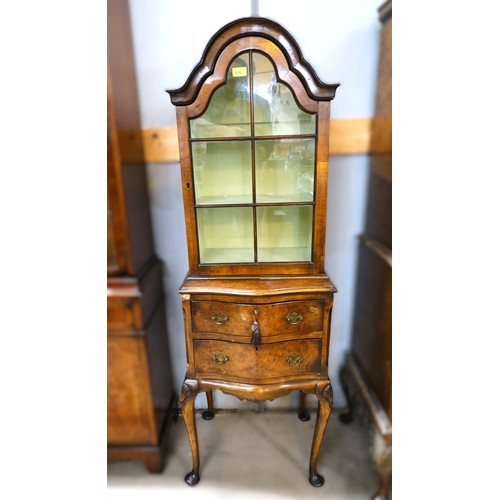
x=252, y=122
x=141, y=403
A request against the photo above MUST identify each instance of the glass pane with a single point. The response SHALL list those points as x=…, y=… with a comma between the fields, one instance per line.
x=225, y=235
x=284, y=234
x=285, y=117
x=228, y=113
x=284, y=170
x=222, y=172
x=112, y=257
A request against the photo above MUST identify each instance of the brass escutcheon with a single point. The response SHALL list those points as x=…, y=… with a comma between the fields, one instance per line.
x=220, y=359
x=294, y=359
x=219, y=318
x=294, y=318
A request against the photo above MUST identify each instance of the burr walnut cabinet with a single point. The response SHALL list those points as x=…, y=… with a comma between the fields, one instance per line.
x=252, y=121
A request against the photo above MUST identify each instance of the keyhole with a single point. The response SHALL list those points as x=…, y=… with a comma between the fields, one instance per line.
x=187, y=185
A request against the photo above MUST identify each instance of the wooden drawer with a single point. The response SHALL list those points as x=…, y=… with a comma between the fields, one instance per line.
x=293, y=358
x=293, y=317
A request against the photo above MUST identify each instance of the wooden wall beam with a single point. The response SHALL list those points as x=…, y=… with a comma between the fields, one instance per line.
x=352, y=136
x=347, y=136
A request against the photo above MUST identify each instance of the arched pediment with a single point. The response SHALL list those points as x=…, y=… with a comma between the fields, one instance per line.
x=250, y=27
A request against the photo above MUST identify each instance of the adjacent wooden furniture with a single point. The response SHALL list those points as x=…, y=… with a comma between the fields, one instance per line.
x=367, y=374
x=252, y=121
x=141, y=402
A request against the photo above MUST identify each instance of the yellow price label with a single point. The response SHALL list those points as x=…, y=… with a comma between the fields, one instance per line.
x=239, y=72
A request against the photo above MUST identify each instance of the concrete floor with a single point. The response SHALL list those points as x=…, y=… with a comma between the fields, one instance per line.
x=248, y=455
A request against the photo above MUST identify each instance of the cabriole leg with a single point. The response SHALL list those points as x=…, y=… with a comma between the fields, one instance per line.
x=208, y=414
x=347, y=416
x=325, y=405
x=303, y=413
x=188, y=395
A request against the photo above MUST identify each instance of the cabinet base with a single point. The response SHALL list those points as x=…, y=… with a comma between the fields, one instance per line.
x=153, y=455
x=321, y=387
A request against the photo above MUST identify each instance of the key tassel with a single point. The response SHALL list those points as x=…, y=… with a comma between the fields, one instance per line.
x=256, y=338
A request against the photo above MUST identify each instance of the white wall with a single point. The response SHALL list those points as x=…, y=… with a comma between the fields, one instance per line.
x=340, y=40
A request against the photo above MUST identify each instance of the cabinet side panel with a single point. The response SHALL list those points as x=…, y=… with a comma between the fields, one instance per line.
x=187, y=187
x=158, y=356
x=321, y=186
x=117, y=217
x=372, y=333
x=130, y=412
x=379, y=205
x=127, y=113
x=122, y=65
x=139, y=220
x=384, y=85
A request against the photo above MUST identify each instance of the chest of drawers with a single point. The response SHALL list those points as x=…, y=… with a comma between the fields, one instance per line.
x=257, y=339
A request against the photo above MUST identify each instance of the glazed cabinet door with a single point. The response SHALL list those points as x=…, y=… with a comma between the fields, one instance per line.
x=253, y=155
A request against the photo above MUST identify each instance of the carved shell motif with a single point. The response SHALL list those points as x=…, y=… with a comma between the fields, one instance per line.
x=185, y=392
x=328, y=394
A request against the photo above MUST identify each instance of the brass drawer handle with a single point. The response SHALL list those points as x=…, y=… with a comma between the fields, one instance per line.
x=294, y=359
x=294, y=318
x=220, y=319
x=220, y=359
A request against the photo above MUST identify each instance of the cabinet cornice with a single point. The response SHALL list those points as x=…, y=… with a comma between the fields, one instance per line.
x=253, y=26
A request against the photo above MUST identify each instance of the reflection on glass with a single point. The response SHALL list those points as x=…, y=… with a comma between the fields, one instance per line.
x=228, y=113
x=286, y=118
x=284, y=233
x=284, y=170
x=112, y=257
x=222, y=172
x=225, y=235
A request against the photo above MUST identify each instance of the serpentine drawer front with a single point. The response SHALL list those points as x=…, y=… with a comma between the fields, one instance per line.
x=292, y=317
x=294, y=358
